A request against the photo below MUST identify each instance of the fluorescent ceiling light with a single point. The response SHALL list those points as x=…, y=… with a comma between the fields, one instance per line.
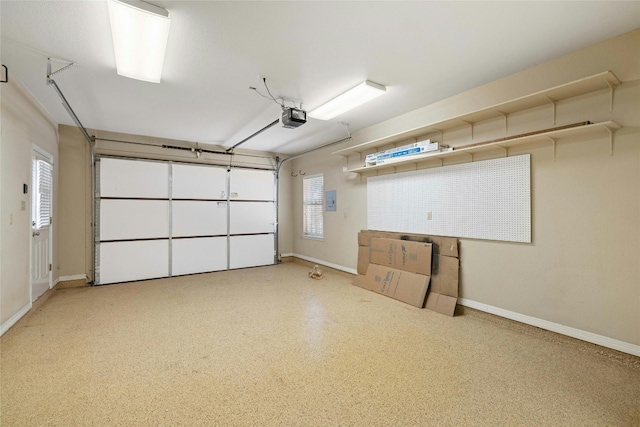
x=364, y=92
x=140, y=31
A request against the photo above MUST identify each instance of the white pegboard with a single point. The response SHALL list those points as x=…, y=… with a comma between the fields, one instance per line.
x=489, y=200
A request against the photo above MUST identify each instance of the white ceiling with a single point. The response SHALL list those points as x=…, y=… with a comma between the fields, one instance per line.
x=308, y=51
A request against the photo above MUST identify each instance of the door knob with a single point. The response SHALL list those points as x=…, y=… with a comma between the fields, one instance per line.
x=36, y=233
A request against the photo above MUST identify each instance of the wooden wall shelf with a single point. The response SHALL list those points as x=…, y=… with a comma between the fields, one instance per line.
x=550, y=96
x=551, y=136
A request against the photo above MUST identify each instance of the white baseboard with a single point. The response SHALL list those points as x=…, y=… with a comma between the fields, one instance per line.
x=286, y=255
x=13, y=319
x=328, y=264
x=622, y=346
x=74, y=277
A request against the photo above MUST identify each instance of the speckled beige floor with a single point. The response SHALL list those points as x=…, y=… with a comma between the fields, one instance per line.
x=269, y=346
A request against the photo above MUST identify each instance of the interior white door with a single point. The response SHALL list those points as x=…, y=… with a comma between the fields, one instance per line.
x=41, y=217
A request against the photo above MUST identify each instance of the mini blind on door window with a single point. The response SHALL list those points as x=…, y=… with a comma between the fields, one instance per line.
x=313, y=201
x=43, y=180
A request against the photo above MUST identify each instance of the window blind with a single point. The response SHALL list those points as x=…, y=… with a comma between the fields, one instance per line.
x=313, y=201
x=43, y=180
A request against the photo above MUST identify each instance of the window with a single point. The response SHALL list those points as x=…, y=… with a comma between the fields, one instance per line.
x=313, y=204
x=42, y=181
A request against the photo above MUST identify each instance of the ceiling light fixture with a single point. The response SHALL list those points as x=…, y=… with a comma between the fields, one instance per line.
x=364, y=92
x=140, y=31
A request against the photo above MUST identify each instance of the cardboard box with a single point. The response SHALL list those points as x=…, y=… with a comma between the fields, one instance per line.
x=441, y=303
x=414, y=257
x=365, y=236
x=443, y=295
x=441, y=245
x=360, y=280
x=443, y=292
x=363, y=259
x=404, y=286
x=445, y=275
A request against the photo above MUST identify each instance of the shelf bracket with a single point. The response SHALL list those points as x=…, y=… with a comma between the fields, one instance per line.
x=506, y=121
x=611, y=132
x=506, y=151
x=471, y=126
x=611, y=90
x=470, y=155
x=553, y=141
x=553, y=102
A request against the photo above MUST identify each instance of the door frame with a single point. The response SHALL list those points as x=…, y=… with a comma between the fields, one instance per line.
x=49, y=157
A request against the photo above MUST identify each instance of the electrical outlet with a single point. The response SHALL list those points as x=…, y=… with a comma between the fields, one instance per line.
x=23, y=205
x=429, y=216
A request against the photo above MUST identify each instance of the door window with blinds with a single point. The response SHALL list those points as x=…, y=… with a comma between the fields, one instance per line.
x=313, y=201
x=42, y=180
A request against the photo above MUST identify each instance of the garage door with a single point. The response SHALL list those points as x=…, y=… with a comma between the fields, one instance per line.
x=163, y=219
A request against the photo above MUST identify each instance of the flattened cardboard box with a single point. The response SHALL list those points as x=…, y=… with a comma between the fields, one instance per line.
x=414, y=257
x=364, y=236
x=443, y=295
x=445, y=274
x=441, y=303
x=363, y=259
x=401, y=285
x=441, y=245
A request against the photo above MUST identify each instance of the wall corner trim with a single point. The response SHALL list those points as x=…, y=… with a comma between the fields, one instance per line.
x=601, y=340
x=14, y=319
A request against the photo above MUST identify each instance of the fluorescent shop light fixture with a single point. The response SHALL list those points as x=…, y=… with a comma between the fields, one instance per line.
x=140, y=31
x=364, y=92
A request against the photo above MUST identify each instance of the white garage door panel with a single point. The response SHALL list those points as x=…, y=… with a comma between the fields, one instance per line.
x=199, y=182
x=246, y=184
x=251, y=251
x=198, y=255
x=128, y=261
x=196, y=218
x=133, y=219
x=251, y=217
x=133, y=178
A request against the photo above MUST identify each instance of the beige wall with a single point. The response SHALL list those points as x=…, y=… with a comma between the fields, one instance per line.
x=75, y=221
x=75, y=253
x=582, y=269
x=23, y=124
